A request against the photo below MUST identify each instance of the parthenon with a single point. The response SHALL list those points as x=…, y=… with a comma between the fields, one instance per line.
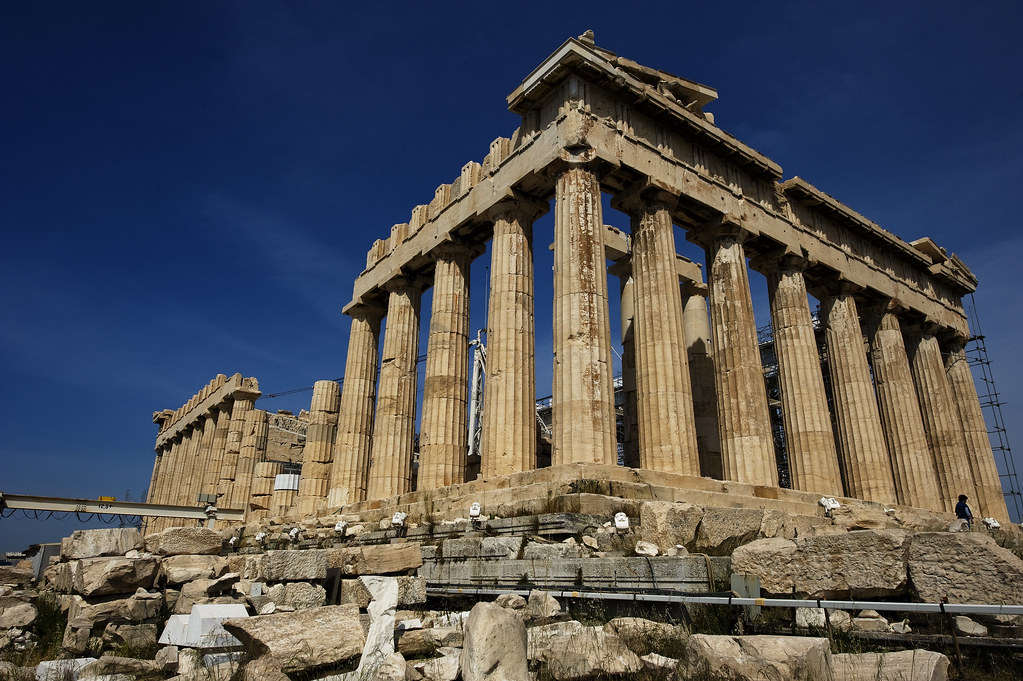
x=887, y=411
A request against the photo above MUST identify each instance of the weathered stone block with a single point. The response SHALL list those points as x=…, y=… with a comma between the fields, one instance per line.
x=494, y=647
x=176, y=541
x=96, y=543
x=103, y=576
x=772, y=658
x=903, y=665
x=965, y=567
x=590, y=652
x=305, y=638
x=181, y=569
x=411, y=591
x=380, y=559
x=282, y=566
x=298, y=595
x=667, y=524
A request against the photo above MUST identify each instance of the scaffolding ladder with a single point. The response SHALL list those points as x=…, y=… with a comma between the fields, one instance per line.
x=991, y=403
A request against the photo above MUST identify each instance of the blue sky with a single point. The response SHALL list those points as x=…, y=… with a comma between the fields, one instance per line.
x=190, y=188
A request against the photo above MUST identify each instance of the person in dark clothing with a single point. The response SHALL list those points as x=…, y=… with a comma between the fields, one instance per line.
x=963, y=511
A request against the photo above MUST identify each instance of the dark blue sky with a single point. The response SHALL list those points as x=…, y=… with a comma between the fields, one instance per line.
x=190, y=188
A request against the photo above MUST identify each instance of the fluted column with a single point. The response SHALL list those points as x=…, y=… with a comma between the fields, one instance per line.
x=701, y=375
x=583, y=395
x=203, y=473
x=318, y=454
x=221, y=425
x=916, y=483
x=390, y=465
x=236, y=467
x=664, y=395
x=443, y=431
x=809, y=439
x=990, y=501
x=627, y=306
x=744, y=427
x=941, y=419
x=865, y=464
x=255, y=430
x=350, y=473
x=508, y=442
x=183, y=475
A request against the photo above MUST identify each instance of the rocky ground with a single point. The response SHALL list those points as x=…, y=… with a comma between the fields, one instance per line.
x=301, y=600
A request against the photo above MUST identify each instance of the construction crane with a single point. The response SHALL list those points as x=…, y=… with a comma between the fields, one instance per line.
x=109, y=506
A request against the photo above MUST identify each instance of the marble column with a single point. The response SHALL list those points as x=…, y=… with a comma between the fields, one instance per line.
x=664, y=396
x=235, y=466
x=940, y=416
x=254, y=435
x=203, y=473
x=744, y=427
x=865, y=463
x=183, y=476
x=508, y=441
x=350, y=473
x=583, y=394
x=627, y=305
x=318, y=453
x=809, y=439
x=990, y=501
x=443, y=430
x=390, y=466
x=221, y=425
x=916, y=483
x=697, y=332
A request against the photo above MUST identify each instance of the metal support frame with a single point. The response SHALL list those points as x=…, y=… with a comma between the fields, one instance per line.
x=210, y=514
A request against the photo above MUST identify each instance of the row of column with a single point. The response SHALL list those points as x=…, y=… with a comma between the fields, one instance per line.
x=906, y=426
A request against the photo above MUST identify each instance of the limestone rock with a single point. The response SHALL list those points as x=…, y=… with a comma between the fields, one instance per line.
x=667, y=524
x=96, y=543
x=870, y=624
x=298, y=595
x=495, y=645
x=133, y=635
x=167, y=658
x=110, y=664
x=967, y=627
x=540, y=638
x=966, y=567
x=411, y=591
x=424, y=642
x=440, y=669
x=863, y=516
x=18, y=576
x=511, y=601
x=305, y=638
x=590, y=652
x=181, y=569
x=644, y=636
x=904, y=665
x=16, y=612
x=723, y=529
x=645, y=548
x=103, y=576
x=540, y=605
x=376, y=559
x=59, y=670
x=542, y=550
x=280, y=566
x=176, y=541
x=767, y=658
x=655, y=662
x=859, y=564
x=391, y=668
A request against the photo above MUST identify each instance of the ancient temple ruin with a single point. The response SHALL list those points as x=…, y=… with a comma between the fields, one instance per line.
x=890, y=416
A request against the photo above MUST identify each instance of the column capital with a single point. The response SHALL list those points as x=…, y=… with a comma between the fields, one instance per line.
x=643, y=195
x=695, y=288
x=585, y=160
x=780, y=260
x=454, y=249
x=517, y=205
x=840, y=286
x=403, y=282
x=365, y=311
x=725, y=228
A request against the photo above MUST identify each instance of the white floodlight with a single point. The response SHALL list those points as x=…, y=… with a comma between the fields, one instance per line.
x=260, y=537
x=474, y=510
x=341, y=527
x=621, y=521
x=232, y=541
x=294, y=534
x=399, y=519
x=829, y=504
x=992, y=523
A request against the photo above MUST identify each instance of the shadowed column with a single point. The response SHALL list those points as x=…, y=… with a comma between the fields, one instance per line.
x=865, y=463
x=254, y=435
x=744, y=427
x=916, y=482
x=508, y=441
x=232, y=473
x=941, y=419
x=809, y=440
x=390, y=466
x=583, y=395
x=443, y=432
x=664, y=396
x=627, y=306
x=990, y=502
x=701, y=375
x=222, y=423
x=350, y=472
